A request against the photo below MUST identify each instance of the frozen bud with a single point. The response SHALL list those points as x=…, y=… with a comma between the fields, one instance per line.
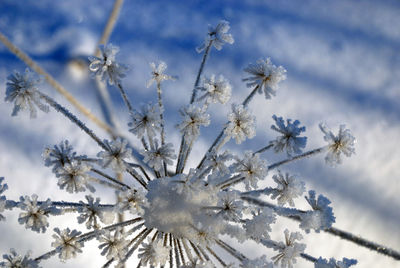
x=22, y=90
x=241, y=124
x=59, y=155
x=216, y=162
x=266, y=76
x=289, y=139
x=342, y=143
x=106, y=67
x=67, y=243
x=230, y=204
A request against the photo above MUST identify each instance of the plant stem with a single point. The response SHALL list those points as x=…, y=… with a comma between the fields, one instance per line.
x=203, y=62
x=125, y=98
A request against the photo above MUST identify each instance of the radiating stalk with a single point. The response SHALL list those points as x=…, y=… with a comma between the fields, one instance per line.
x=199, y=73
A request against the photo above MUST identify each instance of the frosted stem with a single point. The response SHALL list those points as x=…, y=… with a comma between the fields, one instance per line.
x=125, y=98
x=297, y=157
x=110, y=178
x=250, y=96
x=73, y=119
x=263, y=149
x=203, y=62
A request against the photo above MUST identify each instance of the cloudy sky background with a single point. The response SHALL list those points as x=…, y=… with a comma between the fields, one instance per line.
x=343, y=67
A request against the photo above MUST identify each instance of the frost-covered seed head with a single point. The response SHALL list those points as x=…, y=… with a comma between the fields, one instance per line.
x=288, y=188
x=289, y=250
x=159, y=155
x=241, y=124
x=342, y=143
x=154, y=253
x=218, y=36
x=115, y=155
x=258, y=227
x=192, y=118
x=157, y=74
x=92, y=211
x=321, y=217
x=106, y=67
x=266, y=76
x=59, y=155
x=113, y=244
x=147, y=120
x=216, y=162
x=216, y=90
x=74, y=177
x=132, y=200
x=22, y=90
x=34, y=216
x=231, y=206
x=251, y=168
x=14, y=260
x=289, y=140
x=67, y=243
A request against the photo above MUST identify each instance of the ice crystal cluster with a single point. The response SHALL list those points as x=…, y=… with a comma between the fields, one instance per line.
x=176, y=215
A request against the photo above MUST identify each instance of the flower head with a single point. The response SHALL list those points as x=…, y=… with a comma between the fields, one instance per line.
x=132, y=200
x=115, y=155
x=342, y=143
x=321, y=217
x=67, y=243
x=241, y=124
x=92, y=212
x=193, y=118
x=159, y=155
x=74, y=177
x=154, y=253
x=35, y=215
x=265, y=76
x=218, y=36
x=113, y=245
x=216, y=90
x=251, y=168
x=106, y=67
x=289, y=250
x=22, y=90
x=258, y=227
x=147, y=120
x=289, y=140
x=59, y=155
x=288, y=188
x=14, y=260
x=158, y=73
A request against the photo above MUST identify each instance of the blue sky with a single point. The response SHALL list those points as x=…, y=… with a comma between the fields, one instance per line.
x=343, y=67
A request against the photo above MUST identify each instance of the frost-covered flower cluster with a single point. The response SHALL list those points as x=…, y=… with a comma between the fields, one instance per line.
x=167, y=213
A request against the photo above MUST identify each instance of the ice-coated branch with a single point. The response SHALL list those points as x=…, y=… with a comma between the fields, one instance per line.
x=199, y=73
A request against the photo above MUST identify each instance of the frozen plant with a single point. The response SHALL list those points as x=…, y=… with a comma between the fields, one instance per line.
x=166, y=213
